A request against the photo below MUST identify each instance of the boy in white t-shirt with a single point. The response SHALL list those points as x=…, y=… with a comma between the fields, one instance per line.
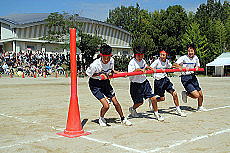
x=188, y=78
x=162, y=82
x=102, y=88
x=140, y=87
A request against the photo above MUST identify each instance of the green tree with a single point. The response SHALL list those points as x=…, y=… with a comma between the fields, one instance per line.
x=193, y=35
x=58, y=31
x=58, y=26
x=89, y=46
x=168, y=26
x=219, y=37
x=134, y=20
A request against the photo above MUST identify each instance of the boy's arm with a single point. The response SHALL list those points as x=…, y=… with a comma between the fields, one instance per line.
x=153, y=65
x=197, y=64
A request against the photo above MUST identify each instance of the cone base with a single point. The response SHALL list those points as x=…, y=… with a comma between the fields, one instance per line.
x=73, y=134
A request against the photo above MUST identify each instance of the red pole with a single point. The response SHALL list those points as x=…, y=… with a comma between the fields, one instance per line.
x=125, y=74
x=73, y=126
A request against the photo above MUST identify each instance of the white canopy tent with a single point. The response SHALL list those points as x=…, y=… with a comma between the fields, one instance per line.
x=220, y=62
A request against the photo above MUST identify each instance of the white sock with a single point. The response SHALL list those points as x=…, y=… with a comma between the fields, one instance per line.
x=156, y=112
x=178, y=108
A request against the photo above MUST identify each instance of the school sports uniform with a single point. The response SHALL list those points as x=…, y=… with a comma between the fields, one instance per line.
x=139, y=86
x=100, y=88
x=188, y=78
x=161, y=82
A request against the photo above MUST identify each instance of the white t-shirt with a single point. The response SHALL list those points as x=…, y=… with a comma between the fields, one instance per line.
x=98, y=67
x=133, y=65
x=187, y=62
x=158, y=64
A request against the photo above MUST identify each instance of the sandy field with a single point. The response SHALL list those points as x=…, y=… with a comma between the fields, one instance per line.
x=33, y=110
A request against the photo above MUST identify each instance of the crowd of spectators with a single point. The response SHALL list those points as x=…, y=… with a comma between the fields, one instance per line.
x=31, y=62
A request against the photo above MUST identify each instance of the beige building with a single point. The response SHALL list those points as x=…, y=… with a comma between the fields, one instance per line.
x=22, y=32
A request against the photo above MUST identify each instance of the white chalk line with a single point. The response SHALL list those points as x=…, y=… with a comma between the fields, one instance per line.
x=105, y=142
x=112, y=144
x=18, y=118
x=178, y=143
x=211, y=109
x=30, y=141
x=102, y=141
x=216, y=96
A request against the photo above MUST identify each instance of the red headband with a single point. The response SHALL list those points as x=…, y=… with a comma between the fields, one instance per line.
x=163, y=52
x=105, y=55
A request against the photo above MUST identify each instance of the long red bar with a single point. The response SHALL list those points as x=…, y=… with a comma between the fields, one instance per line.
x=125, y=74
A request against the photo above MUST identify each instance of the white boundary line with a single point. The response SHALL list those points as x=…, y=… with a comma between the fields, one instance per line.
x=191, y=140
x=113, y=144
x=214, y=96
x=29, y=142
x=218, y=108
x=18, y=118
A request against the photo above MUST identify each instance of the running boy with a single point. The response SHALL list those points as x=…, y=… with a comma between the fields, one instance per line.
x=162, y=82
x=188, y=78
x=139, y=86
x=102, y=88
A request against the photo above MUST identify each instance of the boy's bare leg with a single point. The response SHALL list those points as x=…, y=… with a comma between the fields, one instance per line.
x=194, y=94
x=135, y=106
x=117, y=106
x=200, y=99
x=105, y=107
x=154, y=103
x=175, y=98
x=160, y=99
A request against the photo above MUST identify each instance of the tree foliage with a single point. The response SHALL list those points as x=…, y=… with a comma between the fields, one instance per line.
x=171, y=29
x=58, y=31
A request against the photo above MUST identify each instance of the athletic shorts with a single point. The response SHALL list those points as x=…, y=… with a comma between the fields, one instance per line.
x=101, y=88
x=161, y=85
x=190, y=83
x=138, y=91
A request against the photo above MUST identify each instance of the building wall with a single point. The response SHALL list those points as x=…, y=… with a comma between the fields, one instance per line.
x=113, y=37
x=117, y=38
x=6, y=31
x=32, y=32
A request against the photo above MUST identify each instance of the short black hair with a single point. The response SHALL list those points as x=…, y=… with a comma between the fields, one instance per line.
x=105, y=49
x=192, y=45
x=139, y=49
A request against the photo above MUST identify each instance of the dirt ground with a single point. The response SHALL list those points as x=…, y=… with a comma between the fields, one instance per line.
x=33, y=110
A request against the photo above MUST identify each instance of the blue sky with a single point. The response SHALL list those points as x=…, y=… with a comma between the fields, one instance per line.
x=95, y=9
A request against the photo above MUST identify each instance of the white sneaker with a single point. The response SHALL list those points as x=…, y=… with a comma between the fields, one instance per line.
x=150, y=105
x=201, y=109
x=133, y=112
x=182, y=114
x=102, y=121
x=126, y=122
x=184, y=96
x=159, y=117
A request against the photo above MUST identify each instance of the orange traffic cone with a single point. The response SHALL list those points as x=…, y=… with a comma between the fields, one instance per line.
x=66, y=75
x=23, y=75
x=35, y=76
x=44, y=74
x=56, y=75
x=73, y=126
x=11, y=75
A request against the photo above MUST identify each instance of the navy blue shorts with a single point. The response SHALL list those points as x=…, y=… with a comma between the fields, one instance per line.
x=101, y=88
x=161, y=85
x=138, y=91
x=190, y=83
